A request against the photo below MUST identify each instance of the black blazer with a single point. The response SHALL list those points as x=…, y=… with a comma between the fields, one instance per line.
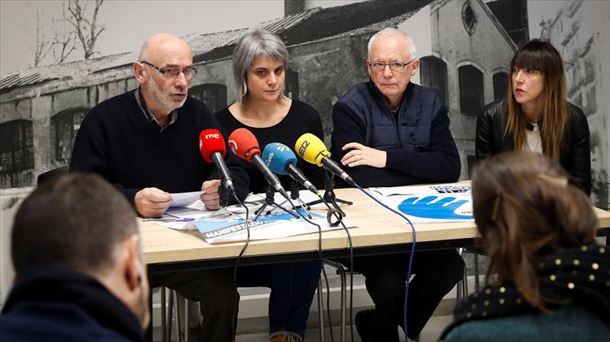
x=575, y=152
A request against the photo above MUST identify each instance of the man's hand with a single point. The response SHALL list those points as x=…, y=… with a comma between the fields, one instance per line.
x=210, y=196
x=363, y=155
x=152, y=202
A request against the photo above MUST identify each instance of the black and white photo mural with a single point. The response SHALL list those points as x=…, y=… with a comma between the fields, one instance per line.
x=50, y=77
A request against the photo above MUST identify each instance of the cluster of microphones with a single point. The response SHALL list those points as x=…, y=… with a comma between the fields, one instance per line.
x=276, y=158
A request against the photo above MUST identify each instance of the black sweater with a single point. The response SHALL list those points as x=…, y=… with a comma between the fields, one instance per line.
x=55, y=304
x=116, y=141
x=301, y=118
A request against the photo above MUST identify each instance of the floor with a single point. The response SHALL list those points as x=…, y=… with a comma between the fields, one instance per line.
x=431, y=332
x=255, y=330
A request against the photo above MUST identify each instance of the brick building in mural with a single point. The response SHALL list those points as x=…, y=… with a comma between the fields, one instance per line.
x=465, y=48
x=41, y=108
x=578, y=32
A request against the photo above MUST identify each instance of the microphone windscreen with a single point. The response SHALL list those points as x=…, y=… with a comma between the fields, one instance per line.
x=244, y=144
x=276, y=156
x=210, y=142
x=311, y=149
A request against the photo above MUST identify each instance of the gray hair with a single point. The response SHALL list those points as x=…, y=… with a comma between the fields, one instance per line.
x=251, y=45
x=389, y=31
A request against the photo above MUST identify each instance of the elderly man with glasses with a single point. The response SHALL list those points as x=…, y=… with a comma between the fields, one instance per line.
x=391, y=132
x=146, y=143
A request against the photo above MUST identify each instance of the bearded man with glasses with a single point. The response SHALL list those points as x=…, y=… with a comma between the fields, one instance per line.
x=391, y=132
x=146, y=143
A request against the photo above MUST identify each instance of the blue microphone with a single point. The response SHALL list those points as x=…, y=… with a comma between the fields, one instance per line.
x=280, y=159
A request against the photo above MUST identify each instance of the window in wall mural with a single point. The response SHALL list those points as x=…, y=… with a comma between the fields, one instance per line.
x=214, y=95
x=292, y=84
x=16, y=148
x=65, y=125
x=500, y=81
x=471, y=90
x=433, y=74
x=469, y=18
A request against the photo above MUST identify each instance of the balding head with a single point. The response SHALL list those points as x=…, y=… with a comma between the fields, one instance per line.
x=162, y=46
x=164, y=71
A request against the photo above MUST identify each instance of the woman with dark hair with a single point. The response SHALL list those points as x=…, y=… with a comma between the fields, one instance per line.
x=536, y=115
x=547, y=278
x=259, y=69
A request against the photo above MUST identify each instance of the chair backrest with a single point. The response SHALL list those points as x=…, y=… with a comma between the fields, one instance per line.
x=45, y=176
x=571, y=323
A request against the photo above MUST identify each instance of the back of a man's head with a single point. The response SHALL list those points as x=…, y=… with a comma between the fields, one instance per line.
x=76, y=221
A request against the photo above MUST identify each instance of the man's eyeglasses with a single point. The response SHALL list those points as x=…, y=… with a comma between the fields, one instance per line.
x=173, y=72
x=394, y=66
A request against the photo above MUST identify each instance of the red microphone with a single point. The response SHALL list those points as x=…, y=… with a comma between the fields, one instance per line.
x=213, y=150
x=244, y=145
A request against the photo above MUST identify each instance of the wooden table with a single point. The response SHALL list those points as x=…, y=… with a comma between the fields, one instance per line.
x=376, y=231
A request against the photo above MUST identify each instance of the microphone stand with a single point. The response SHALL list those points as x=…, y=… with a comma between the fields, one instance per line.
x=329, y=197
x=294, y=195
x=270, y=200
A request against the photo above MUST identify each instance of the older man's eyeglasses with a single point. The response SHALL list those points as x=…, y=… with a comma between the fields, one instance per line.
x=394, y=66
x=173, y=72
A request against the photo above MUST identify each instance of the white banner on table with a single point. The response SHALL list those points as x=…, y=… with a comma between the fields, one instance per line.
x=429, y=203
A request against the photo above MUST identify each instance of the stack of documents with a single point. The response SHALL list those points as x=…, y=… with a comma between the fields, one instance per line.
x=229, y=224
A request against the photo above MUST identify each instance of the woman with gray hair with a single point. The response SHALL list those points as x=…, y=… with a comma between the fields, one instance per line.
x=259, y=69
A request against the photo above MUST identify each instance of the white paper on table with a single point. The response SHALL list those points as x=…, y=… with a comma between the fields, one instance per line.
x=305, y=196
x=196, y=210
x=183, y=199
x=176, y=216
x=422, y=189
x=276, y=225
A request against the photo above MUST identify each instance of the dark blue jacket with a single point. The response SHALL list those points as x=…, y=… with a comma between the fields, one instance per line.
x=60, y=305
x=419, y=145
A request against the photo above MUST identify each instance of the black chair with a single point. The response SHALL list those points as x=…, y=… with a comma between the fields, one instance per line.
x=46, y=176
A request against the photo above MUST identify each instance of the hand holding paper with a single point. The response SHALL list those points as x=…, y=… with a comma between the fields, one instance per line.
x=184, y=199
x=210, y=196
x=152, y=202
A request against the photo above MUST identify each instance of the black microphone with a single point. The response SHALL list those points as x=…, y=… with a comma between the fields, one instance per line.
x=213, y=149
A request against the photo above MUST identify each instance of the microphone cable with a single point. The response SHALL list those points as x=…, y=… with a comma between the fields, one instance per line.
x=321, y=260
x=339, y=217
x=241, y=253
x=410, y=266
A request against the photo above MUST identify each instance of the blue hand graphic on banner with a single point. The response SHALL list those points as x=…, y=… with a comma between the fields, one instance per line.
x=427, y=208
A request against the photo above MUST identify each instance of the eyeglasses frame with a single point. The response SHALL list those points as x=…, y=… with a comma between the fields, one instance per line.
x=404, y=66
x=193, y=71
